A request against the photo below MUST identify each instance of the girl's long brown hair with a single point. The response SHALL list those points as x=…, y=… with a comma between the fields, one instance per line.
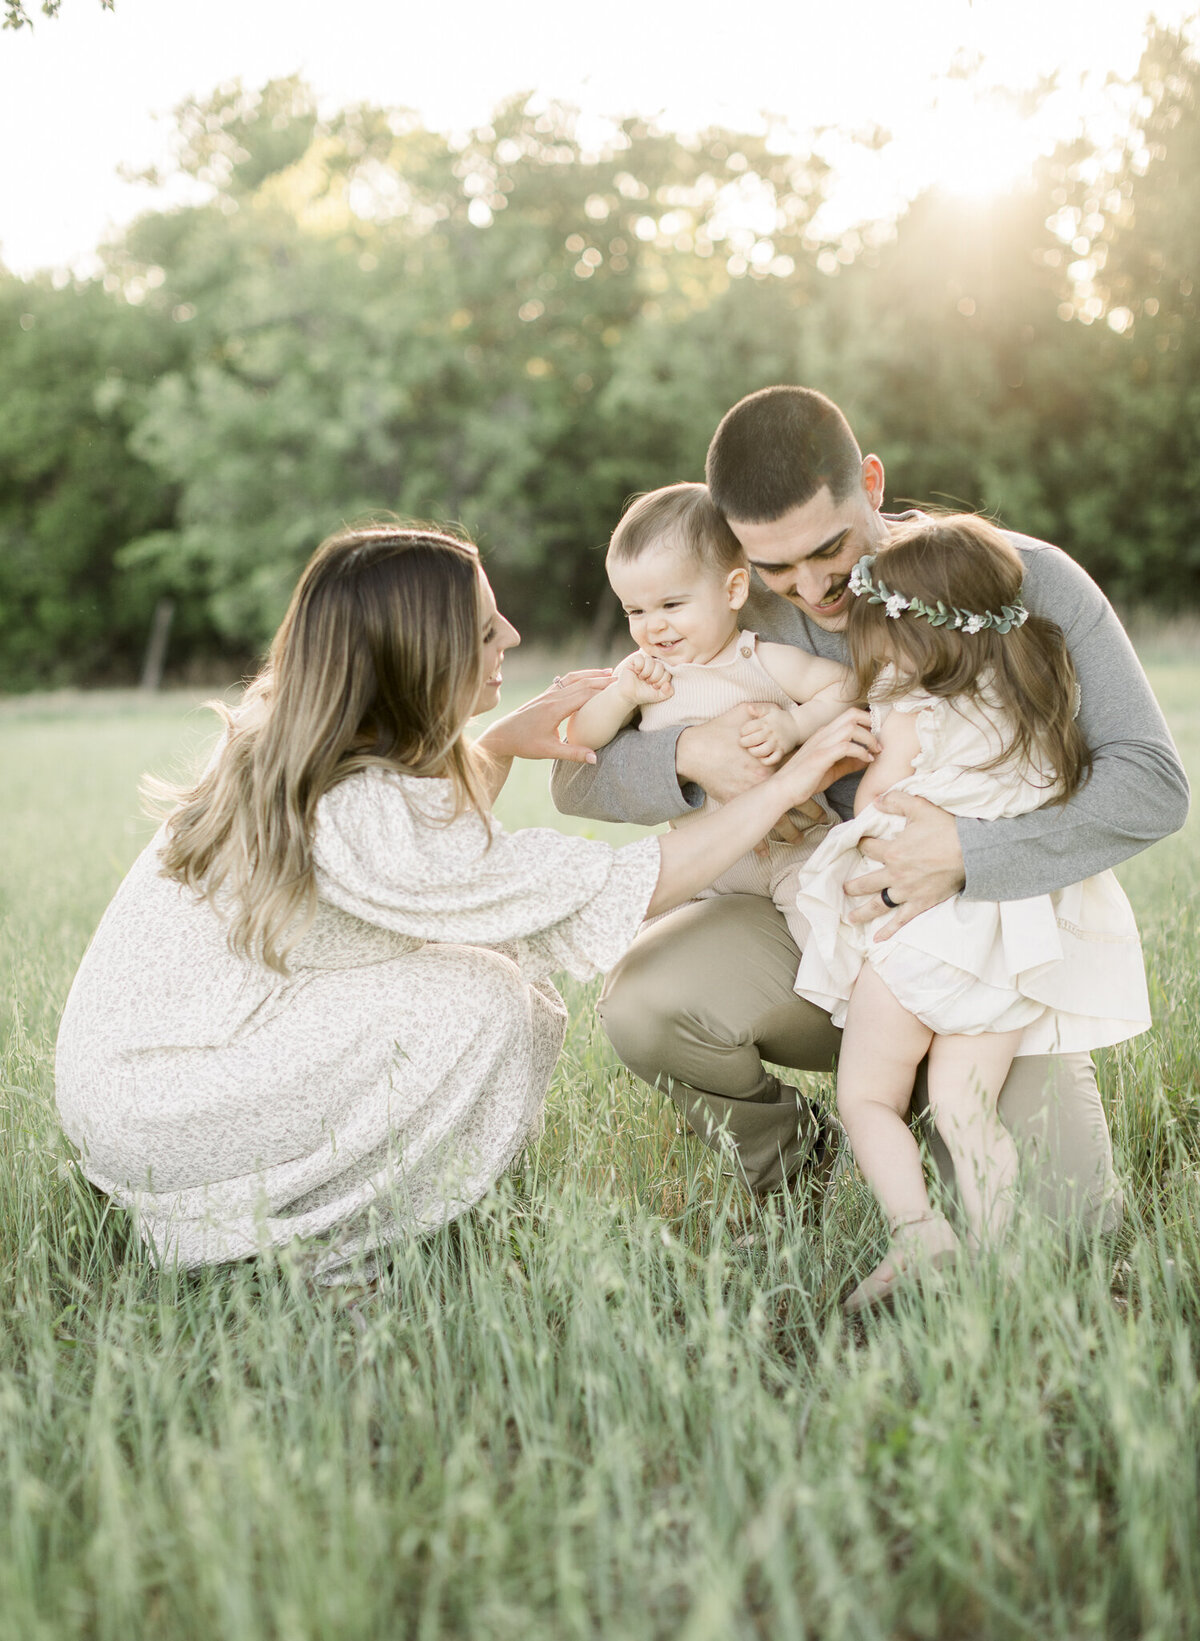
x=377, y=664
x=969, y=565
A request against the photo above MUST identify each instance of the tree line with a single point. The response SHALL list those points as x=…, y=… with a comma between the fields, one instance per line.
x=515, y=333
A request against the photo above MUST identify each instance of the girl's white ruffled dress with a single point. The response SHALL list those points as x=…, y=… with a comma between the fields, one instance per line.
x=1065, y=968
x=380, y=1087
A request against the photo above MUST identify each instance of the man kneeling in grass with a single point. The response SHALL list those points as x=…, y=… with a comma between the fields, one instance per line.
x=705, y=996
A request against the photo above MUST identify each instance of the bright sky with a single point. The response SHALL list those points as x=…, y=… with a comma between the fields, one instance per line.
x=93, y=90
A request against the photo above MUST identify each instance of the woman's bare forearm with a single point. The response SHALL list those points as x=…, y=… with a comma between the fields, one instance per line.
x=697, y=853
x=494, y=772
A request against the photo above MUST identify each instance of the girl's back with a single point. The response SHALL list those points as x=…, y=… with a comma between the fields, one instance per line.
x=967, y=762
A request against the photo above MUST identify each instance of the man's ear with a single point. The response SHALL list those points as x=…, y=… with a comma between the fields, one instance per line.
x=737, y=585
x=872, y=475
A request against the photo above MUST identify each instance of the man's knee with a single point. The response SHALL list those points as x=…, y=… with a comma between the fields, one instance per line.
x=704, y=996
x=1051, y=1104
x=639, y=1011
x=662, y=992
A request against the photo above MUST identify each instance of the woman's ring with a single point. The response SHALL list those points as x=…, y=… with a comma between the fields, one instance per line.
x=558, y=683
x=887, y=900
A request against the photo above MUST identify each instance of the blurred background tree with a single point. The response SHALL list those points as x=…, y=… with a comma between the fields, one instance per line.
x=516, y=332
x=16, y=12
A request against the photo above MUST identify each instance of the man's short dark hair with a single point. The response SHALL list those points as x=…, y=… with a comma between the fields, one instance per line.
x=776, y=449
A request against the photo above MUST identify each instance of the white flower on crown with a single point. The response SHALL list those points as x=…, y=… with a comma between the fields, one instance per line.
x=896, y=605
x=974, y=623
x=859, y=582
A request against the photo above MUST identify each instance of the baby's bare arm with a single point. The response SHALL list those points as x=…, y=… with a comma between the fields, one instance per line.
x=821, y=690
x=599, y=719
x=805, y=677
x=639, y=680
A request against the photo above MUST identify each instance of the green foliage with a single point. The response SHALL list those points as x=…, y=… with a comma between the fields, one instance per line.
x=70, y=488
x=395, y=323
x=1125, y=486
x=518, y=330
x=16, y=12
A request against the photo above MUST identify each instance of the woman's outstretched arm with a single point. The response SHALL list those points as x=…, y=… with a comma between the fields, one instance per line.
x=699, y=852
x=531, y=730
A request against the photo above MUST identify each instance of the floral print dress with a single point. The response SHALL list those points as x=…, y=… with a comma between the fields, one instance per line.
x=384, y=1083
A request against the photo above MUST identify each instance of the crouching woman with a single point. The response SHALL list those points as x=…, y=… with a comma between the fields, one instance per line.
x=319, y=1004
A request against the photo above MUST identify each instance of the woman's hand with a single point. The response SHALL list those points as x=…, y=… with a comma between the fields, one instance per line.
x=531, y=731
x=692, y=856
x=838, y=749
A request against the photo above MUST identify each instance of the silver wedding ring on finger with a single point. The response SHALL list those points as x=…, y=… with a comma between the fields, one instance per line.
x=558, y=683
x=886, y=897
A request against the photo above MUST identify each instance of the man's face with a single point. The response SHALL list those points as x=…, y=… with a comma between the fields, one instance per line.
x=808, y=554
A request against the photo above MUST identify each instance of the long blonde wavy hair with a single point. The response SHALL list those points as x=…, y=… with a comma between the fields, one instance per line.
x=377, y=664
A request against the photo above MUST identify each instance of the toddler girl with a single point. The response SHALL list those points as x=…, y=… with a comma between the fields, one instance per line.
x=974, y=702
x=682, y=577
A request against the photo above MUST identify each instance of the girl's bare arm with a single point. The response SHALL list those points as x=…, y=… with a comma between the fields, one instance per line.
x=898, y=739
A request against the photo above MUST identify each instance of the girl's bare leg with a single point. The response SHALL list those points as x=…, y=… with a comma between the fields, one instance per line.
x=882, y=1045
x=966, y=1075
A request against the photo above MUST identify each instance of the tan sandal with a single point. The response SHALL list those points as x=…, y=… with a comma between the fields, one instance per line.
x=920, y=1246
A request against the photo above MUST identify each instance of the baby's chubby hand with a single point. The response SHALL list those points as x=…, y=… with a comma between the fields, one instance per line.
x=644, y=679
x=769, y=733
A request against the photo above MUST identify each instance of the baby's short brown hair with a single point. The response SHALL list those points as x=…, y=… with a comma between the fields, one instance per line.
x=679, y=514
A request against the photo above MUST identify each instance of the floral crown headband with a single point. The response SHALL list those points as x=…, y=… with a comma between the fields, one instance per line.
x=938, y=615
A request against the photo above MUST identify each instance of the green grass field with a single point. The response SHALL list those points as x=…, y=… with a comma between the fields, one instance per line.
x=594, y=1407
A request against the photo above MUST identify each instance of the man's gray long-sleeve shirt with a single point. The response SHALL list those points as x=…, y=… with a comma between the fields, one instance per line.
x=1136, y=794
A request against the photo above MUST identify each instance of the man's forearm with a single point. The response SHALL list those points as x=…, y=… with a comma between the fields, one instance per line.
x=1128, y=803
x=633, y=779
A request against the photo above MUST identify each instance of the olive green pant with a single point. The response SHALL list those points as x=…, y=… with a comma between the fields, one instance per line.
x=704, y=996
